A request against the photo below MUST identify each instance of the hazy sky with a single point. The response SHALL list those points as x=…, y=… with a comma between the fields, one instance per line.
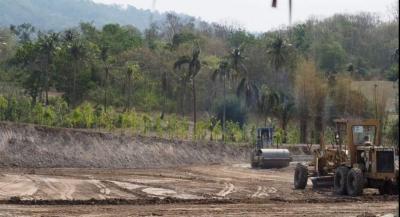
x=257, y=15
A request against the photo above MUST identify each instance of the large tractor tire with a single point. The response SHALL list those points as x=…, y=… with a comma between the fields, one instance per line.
x=384, y=189
x=340, y=180
x=389, y=188
x=395, y=186
x=355, y=182
x=300, y=176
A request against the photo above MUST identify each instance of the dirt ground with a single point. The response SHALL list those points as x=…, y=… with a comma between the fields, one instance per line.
x=214, y=190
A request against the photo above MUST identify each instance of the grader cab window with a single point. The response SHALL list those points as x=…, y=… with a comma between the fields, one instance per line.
x=364, y=135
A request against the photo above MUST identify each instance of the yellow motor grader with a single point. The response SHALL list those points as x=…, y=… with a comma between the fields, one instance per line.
x=356, y=161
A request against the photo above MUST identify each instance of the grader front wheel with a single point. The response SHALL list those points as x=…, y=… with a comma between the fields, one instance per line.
x=340, y=180
x=300, y=176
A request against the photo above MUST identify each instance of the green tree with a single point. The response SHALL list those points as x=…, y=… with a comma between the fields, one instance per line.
x=132, y=74
x=224, y=72
x=26, y=58
x=104, y=57
x=24, y=32
x=194, y=67
x=331, y=56
x=48, y=45
x=119, y=39
x=247, y=86
x=301, y=39
x=278, y=50
x=267, y=101
x=77, y=50
x=235, y=110
x=284, y=112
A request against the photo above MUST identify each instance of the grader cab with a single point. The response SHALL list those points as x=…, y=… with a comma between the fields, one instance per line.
x=356, y=161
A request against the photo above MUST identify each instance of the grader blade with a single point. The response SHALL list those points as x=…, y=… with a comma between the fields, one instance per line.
x=322, y=181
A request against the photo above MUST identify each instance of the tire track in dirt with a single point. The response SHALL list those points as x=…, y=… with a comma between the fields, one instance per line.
x=263, y=192
x=21, y=186
x=228, y=189
x=104, y=191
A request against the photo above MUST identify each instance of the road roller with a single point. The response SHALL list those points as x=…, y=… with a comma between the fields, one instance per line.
x=265, y=155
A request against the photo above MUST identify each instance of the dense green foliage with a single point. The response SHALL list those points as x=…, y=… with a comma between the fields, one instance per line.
x=297, y=79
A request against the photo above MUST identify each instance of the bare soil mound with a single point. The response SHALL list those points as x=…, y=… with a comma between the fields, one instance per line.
x=31, y=146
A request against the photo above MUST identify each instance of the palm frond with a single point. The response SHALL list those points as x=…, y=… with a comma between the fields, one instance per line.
x=215, y=74
x=181, y=61
x=194, y=67
x=241, y=87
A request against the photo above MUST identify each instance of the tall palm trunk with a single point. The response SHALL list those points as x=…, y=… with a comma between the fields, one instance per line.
x=224, y=112
x=105, y=88
x=46, y=86
x=164, y=93
x=303, y=130
x=284, y=131
x=183, y=97
x=74, y=83
x=128, y=93
x=318, y=125
x=194, y=107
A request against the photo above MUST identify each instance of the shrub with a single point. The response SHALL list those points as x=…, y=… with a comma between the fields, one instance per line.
x=233, y=131
x=61, y=110
x=293, y=135
x=83, y=116
x=3, y=107
x=235, y=111
x=43, y=115
x=201, y=130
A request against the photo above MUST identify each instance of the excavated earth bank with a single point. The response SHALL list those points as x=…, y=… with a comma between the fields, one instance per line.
x=31, y=146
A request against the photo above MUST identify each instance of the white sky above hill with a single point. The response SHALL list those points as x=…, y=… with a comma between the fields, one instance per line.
x=258, y=15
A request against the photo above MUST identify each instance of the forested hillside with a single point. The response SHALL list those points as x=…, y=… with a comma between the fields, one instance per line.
x=61, y=14
x=176, y=76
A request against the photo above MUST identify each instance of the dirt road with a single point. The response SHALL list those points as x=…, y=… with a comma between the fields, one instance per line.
x=256, y=210
x=216, y=190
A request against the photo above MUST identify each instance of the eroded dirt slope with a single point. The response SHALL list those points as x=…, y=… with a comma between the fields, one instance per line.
x=24, y=145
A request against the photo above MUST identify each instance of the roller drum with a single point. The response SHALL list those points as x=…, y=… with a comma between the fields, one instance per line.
x=274, y=158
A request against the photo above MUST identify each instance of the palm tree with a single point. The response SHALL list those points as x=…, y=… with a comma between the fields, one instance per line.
x=284, y=111
x=164, y=89
x=237, y=60
x=128, y=88
x=76, y=50
x=249, y=89
x=246, y=86
x=47, y=46
x=183, y=79
x=224, y=72
x=194, y=67
x=267, y=102
x=104, y=59
x=278, y=51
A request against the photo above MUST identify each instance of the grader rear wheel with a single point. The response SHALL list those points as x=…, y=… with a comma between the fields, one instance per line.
x=355, y=182
x=340, y=180
x=389, y=188
x=300, y=176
